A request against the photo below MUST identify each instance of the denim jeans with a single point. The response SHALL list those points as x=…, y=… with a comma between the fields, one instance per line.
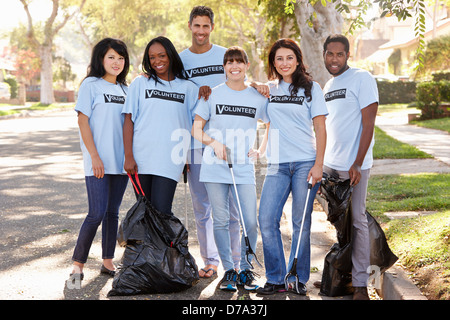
x=104, y=199
x=280, y=180
x=218, y=194
x=203, y=218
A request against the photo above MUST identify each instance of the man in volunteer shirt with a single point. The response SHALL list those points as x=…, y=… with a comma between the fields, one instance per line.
x=203, y=62
x=352, y=101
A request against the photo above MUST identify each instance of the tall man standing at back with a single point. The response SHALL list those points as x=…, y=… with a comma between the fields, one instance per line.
x=203, y=62
x=351, y=96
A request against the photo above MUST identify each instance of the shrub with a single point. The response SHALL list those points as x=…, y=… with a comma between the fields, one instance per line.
x=442, y=75
x=430, y=95
x=396, y=91
x=12, y=87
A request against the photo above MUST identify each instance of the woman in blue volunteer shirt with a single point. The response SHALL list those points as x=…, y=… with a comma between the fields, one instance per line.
x=232, y=112
x=99, y=106
x=158, y=114
x=296, y=139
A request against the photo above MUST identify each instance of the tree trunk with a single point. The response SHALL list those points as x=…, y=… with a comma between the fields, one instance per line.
x=46, y=75
x=328, y=21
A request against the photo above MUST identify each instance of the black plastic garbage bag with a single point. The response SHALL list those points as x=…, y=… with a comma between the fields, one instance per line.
x=156, y=257
x=336, y=277
x=338, y=197
x=381, y=255
x=334, y=281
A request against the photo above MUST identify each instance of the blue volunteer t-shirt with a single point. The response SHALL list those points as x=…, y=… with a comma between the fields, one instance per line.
x=162, y=115
x=204, y=69
x=291, y=132
x=232, y=116
x=346, y=95
x=102, y=102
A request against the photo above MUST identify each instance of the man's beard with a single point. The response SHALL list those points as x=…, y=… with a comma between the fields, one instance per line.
x=340, y=71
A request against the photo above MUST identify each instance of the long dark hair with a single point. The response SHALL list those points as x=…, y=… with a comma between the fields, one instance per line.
x=176, y=67
x=300, y=78
x=96, y=68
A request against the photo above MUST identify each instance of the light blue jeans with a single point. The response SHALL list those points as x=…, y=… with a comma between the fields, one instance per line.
x=218, y=194
x=203, y=219
x=280, y=180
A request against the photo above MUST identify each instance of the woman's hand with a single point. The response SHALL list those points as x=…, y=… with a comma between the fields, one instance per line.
x=219, y=150
x=254, y=154
x=316, y=173
x=263, y=89
x=97, y=166
x=130, y=165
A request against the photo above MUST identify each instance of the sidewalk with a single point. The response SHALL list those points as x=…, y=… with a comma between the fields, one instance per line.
x=434, y=142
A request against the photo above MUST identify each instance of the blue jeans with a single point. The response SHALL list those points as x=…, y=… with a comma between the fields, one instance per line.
x=104, y=198
x=280, y=180
x=218, y=194
x=203, y=218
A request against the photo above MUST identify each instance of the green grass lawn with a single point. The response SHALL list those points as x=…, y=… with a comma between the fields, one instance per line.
x=36, y=106
x=423, y=246
x=387, y=147
x=439, y=124
x=421, y=241
x=412, y=192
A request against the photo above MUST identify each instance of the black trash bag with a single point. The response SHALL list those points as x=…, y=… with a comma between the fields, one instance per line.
x=156, y=257
x=334, y=281
x=380, y=253
x=133, y=225
x=336, y=276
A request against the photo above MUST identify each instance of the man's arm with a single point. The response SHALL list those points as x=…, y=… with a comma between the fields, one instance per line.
x=369, y=114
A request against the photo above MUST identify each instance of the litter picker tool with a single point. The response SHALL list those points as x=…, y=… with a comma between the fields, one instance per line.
x=248, y=248
x=293, y=270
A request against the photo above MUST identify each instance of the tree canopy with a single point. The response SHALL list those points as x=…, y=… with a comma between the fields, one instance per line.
x=252, y=24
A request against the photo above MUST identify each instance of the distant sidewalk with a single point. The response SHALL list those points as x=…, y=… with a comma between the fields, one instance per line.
x=431, y=141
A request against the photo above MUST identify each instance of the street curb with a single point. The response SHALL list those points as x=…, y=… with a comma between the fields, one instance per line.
x=395, y=285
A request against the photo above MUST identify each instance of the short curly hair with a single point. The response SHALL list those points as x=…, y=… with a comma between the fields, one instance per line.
x=201, y=11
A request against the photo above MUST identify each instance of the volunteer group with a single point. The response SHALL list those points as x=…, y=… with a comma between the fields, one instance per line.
x=199, y=109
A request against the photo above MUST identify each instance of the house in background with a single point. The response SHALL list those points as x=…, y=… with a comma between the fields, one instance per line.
x=389, y=48
x=6, y=68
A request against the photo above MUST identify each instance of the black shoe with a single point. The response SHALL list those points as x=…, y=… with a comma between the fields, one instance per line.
x=229, y=281
x=246, y=278
x=105, y=270
x=76, y=276
x=270, y=288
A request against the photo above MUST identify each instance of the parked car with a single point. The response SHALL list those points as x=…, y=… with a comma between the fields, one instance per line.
x=4, y=91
